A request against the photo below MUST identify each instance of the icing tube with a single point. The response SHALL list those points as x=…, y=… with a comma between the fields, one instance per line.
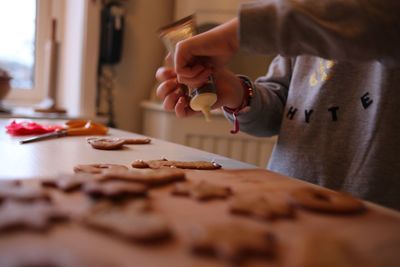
x=177, y=31
x=173, y=33
x=203, y=97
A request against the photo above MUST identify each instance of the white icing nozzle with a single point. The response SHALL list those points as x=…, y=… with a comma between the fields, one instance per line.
x=206, y=112
x=203, y=103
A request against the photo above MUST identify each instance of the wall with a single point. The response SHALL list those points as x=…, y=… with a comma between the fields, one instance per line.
x=79, y=35
x=143, y=53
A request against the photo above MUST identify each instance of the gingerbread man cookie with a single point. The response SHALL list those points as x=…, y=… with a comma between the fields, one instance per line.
x=232, y=242
x=201, y=190
x=128, y=223
x=98, y=168
x=326, y=201
x=115, y=190
x=261, y=207
x=147, y=177
x=37, y=216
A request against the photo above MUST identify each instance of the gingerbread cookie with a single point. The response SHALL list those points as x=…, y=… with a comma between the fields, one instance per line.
x=136, y=141
x=261, y=207
x=34, y=253
x=326, y=201
x=201, y=190
x=23, y=193
x=156, y=164
x=98, y=168
x=8, y=183
x=147, y=177
x=232, y=242
x=129, y=224
x=140, y=205
x=115, y=190
x=106, y=143
x=68, y=182
x=34, y=216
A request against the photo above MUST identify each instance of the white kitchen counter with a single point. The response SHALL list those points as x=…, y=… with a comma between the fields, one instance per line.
x=51, y=157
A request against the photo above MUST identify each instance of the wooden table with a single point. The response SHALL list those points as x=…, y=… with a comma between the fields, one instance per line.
x=371, y=238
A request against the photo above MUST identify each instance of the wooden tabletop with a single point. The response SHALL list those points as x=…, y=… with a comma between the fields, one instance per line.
x=51, y=157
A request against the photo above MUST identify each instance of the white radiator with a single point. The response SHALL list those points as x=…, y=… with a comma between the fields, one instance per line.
x=211, y=136
x=250, y=150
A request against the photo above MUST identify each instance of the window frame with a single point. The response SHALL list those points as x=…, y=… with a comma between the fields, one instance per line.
x=42, y=34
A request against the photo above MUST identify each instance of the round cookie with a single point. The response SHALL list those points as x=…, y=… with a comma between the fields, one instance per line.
x=326, y=201
x=106, y=143
x=98, y=168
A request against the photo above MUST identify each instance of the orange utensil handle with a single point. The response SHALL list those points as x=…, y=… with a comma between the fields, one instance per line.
x=89, y=128
x=76, y=123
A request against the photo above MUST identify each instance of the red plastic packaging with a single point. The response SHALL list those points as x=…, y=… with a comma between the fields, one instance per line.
x=30, y=128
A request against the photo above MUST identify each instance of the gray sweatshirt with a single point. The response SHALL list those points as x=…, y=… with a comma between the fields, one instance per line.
x=333, y=94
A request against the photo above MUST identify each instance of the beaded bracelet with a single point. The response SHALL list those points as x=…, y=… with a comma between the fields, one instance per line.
x=248, y=94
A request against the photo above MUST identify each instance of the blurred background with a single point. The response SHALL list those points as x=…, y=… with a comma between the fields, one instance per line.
x=97, y=59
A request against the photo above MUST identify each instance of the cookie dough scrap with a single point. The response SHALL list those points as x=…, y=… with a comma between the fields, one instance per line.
x=325, y=201
x=156, y=164
x=114, y=190
x=232, y=242
x=130, y=224
x=148, y=176
x=37, y=216
x=201, y=191
x=98, y=168
x=261, y=207
x=106, y=143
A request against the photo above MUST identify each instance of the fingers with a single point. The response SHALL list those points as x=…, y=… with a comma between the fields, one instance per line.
x=182, y=108
x=178, y=102
x=165, y=73
x=170, y=101
x=174, y=98
x=166, y=88
x=187, y=65
x=191, y=71
x=170, y=92
x=169, y=60
x=197, y=81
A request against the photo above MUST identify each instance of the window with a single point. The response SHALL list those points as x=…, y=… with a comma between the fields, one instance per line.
x=24, y=29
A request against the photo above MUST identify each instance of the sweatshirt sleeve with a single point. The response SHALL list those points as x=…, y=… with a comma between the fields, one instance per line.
x=267, y=104
x=336, y=29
